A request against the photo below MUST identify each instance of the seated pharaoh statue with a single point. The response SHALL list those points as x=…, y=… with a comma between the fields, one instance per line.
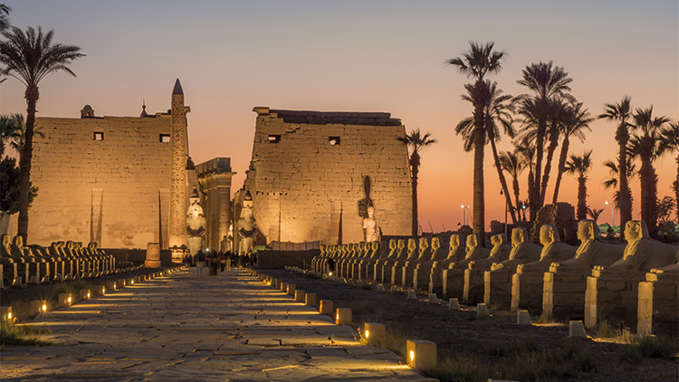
x=604, y=295
x=473, y=274
x=527, y=281
x=497, y=282
x=453, y=278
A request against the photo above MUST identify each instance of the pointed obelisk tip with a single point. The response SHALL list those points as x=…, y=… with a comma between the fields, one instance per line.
x=177, y=88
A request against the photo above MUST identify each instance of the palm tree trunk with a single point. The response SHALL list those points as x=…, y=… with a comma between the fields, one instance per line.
x=534, y=192
x=676, y=188
x=479, y=202
x=582, y=197
x=649, y=184
x=32, y=95
x=624, y=193
x=553, y=144
x=503, y=181
x=563, y=156
x=414, y=192
x=515, y=185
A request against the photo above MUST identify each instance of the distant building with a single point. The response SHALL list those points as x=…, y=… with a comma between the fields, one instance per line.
x=310, y=172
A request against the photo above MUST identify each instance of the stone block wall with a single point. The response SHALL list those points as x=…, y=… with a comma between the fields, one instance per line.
x=114, y=191
x=307, y=173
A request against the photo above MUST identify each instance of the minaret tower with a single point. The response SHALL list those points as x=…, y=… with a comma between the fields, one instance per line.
x=179, y=201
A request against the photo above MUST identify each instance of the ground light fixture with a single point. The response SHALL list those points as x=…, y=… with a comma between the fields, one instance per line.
x=43, y=307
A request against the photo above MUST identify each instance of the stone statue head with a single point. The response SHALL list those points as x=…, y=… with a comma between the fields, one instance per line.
x=635, y=230
x=587, y=231
x=497, y=240
x=412, y=245
x=375, y=245
x=401, y=243
x=454, y=241
x=435, y=244
x=472, y=241
x=518, y=236
x=5, y=241
x=371, y=212
x=392, y=243
x=548, y=234
x=424, y=243
x=19, y=241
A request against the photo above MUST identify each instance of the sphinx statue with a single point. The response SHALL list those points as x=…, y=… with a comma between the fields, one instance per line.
x=247, y=228
x=411, y=258
x=449, y=256
x=527, y=281
x=497, y=281
x=407, y=270
x=376, y=251
x=472, y=290
x=614, y=289
x=422, y=273
x=453, y=277
x=385, y=272
x=382, y=258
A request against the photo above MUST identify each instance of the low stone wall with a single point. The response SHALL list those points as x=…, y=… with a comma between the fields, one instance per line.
x=279, y=259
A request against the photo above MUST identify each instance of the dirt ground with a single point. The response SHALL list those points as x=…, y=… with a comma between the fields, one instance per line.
x=471, y=349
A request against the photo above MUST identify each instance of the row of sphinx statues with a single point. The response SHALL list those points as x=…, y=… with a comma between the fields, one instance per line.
x=21, y=265
x=636, y=282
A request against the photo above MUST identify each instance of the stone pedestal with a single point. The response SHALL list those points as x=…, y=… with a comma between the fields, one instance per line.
x=152, y=255
x=311, y=299
x=343, y=316
x=326, y=307
x=421, y=354
x=658, y=300
x=374, y=333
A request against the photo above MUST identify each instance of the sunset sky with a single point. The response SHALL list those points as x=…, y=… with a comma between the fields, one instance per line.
x=357, y=56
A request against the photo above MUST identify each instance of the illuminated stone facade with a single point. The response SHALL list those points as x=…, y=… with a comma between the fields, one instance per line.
x=214, y=177
x=308, y=175
x=113, y=180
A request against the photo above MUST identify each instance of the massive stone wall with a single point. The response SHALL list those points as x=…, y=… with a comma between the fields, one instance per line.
x=307, y=173
x=114, y=191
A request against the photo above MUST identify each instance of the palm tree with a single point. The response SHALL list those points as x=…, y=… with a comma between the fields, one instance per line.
x=11, y=130
x=575, y=120
x=669, y=141
x=621, y=112
x=476, y=63
x=580, y=165
x=548, y=83
x=415, y=141
x=612, y=182
x=4, y=17
x=594, y=214
x=498, y=112
x=29, y=57
x=511, y=162
x=646, y=145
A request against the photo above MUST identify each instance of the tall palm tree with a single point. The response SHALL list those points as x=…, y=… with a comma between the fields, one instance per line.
x=580, y=165
x=511, y=162
x=477, y=63
x=669, y=141
x=11, y=130
x=498, y=111
x=575, y=120
x=612, y=182
x=29, y=57
x=548, y=83
x=645, y=144
x=621, y=112
x=415, y=141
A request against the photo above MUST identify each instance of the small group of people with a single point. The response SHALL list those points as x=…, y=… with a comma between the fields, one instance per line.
x=217, y=261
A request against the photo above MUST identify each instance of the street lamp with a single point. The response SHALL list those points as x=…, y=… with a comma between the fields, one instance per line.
x=612, y=213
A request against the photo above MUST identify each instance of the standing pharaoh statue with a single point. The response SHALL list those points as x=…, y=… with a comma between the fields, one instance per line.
x=195, y=224
x=370, y=227
x=247, y=227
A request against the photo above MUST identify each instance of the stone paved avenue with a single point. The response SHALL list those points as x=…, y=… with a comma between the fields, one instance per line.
x=225, y=328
